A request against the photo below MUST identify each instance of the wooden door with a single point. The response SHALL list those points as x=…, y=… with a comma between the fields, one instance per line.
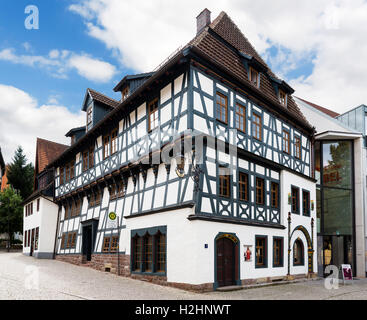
x=225, y=262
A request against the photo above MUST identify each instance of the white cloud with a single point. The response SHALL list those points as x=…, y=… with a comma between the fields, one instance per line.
x=92, y=69
x=23, y=124
x=142, y=34
x=59, y=63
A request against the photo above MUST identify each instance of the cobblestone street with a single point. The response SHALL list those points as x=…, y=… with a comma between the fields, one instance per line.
x=59, y=280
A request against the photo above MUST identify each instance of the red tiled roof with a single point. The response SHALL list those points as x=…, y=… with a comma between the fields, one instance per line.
x=222, y=54
x=329, y=112
x=103, y=98
x=46, y=152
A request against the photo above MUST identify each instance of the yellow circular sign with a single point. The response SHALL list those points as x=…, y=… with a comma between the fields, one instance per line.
x=112, y=216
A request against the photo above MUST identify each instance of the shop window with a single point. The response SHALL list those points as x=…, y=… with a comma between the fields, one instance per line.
x=261, y=252
x=298, y=253
x=149, y=251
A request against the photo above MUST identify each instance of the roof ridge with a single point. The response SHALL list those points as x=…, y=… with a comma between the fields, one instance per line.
x=49, y=141
x=327, y=111
x=90, y=89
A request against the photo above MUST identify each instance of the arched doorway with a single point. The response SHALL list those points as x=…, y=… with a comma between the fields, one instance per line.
x=310, y=250
x=227, y=270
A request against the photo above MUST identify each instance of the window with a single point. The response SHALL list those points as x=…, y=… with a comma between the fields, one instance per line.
x=295, y=200
x=222, y=108
x=286, y=142
x=117, y=190
x=114, y=243
x=260, y=191
x=254, y=77
x=91, y=157
x=161, y=253
x=153, y=121
x=306, y=203
x=95, y=199
x=125, y=94
x=282, y=97
x=137, y=253
x=25, y=238
x=89, y=116
x=106, y=146
x=73, y=240
x=75, y=208
x=114, y=141
x=298, y=255
x=148, y=253
x=106, y=244
x=38, y=205
x=61, y=175
x=274, y=195
x=243, y=186
x=277, y=252
x=256, y=127
x=240, y=117
x=29, y=237
x=85, y=160
x=224, y=182
x=297, y=146
x=62, y=241
x=67, y=173
x=70, y=237
x=148, y=250
x=72, y=169
x=261, y=256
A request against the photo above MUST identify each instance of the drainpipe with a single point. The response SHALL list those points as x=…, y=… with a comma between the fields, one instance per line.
x=57, y=229
x=289, y=244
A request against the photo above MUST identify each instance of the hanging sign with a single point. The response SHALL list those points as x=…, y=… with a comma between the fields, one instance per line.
x=112, y=220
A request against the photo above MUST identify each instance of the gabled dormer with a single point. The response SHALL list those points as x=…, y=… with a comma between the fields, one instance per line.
x=130, y=83
x=96, y=105
x=254, y=68
x=282, y=90
x=75, y=134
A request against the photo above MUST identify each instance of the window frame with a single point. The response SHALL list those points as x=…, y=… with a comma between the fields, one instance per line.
x=308, y=198
x=221, y=180
x=257, y=83
x=265, y=250
x=89, y=115
x=108, y=145
x=155, y=112
x=286, y=141
x=277, y=197
x=240, y=106
x=283, y=98
x=281, y=247
x=297, y=209
x=222, y=95
x=297, y=147
x=246, y=186
x=257, y=125
x=114, y=141
x=263, y=191
x=91, y=157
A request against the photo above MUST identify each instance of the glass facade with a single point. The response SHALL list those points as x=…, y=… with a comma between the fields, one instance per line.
x=334, y=202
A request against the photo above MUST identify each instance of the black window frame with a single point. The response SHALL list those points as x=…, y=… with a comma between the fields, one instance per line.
x=281, y=264
x=297, y=211
x=308, y=212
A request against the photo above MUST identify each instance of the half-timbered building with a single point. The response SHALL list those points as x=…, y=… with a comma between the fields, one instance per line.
x=40, y=211
x=199, y=177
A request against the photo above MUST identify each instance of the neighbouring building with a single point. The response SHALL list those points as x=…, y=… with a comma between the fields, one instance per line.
x=340, y=169
x=40, y=211
x=199, y=177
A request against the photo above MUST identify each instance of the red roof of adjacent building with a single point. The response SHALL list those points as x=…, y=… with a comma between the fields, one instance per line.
x=4, y=180
x=46, y=152
x=329, y=112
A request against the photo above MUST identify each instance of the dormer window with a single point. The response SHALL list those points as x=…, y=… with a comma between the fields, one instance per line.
x=254, y=77
x=125, y=94
x=89, y=116
x=282, y=97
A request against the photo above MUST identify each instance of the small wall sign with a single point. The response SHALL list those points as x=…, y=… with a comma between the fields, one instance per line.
x=247, y=255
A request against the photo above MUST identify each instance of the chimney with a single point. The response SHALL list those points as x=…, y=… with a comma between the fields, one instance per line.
x=202, y=20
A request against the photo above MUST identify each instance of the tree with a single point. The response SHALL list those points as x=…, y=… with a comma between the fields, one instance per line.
x=20, y=174
x=11, y=213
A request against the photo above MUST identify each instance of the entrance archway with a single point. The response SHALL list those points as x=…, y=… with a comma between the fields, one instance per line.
x=310, y=250
x=226, y=260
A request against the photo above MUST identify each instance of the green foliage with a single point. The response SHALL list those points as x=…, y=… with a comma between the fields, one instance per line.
x=11, y=212
x=20, y=174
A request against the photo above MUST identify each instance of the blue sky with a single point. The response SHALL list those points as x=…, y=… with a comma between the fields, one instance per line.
x=94, y=43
